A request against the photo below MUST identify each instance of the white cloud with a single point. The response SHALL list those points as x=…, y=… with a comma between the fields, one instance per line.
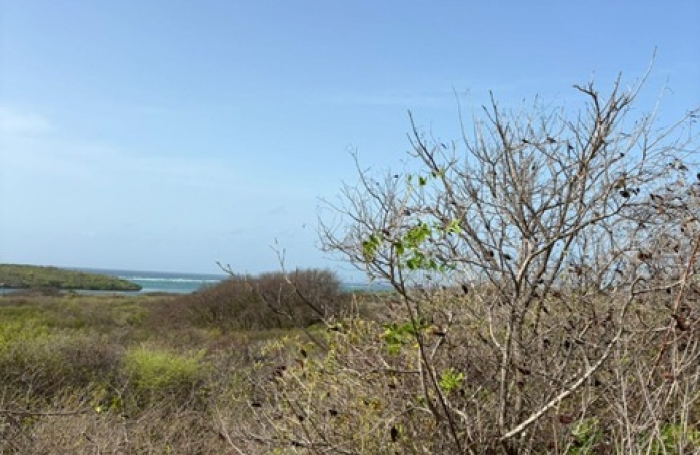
x=16, y=123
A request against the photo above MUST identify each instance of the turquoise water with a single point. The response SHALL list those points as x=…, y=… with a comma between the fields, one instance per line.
x=175, y=283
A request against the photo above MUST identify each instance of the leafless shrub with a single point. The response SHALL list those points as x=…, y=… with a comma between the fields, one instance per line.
x=270, y=300
x=88, y=432
x=43, y=368
x=302, y=296
x=536, y=234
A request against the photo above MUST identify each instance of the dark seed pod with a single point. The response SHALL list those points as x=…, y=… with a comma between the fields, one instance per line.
x=682, y=323
x=565, y=419
x=394, y=434
x=524, y=371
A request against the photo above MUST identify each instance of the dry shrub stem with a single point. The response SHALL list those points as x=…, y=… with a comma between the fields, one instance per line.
x=522, y=426
x=675, y=321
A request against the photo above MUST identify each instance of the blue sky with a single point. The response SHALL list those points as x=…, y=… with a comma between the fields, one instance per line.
x=168, y=135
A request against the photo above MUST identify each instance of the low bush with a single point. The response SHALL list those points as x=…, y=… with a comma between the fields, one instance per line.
x=155, y=375
x=268, y=301
x=41, y=365
x=303, y=296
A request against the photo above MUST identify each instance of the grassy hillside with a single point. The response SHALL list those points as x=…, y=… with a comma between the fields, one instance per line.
x=37, y=277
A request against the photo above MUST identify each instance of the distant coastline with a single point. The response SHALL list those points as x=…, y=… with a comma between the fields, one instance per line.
x=137, y=281
x=34, y=277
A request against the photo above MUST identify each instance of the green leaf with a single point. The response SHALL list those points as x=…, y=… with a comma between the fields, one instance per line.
x=417, y=235
x=370, y=247
x=399, y=248
x=450, y=380
x=453, y=227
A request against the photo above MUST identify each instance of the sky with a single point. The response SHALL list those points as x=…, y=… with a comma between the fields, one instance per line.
x=169, y=135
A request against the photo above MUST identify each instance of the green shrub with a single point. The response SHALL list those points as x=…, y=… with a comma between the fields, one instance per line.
x=154, y=374
x=21, y=330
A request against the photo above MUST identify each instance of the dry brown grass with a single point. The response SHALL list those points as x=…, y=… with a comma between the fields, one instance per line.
x=362, y=396
x=354, y=388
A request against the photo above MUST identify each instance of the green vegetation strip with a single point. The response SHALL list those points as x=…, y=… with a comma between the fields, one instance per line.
x=37, y=277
